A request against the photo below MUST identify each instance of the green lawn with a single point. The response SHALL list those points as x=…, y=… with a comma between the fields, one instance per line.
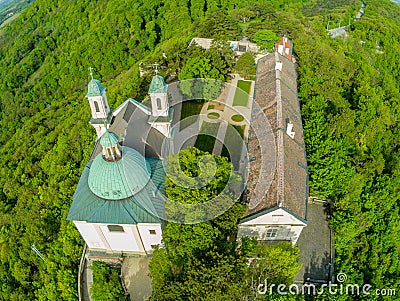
x=206, y=139
x=241, y=97
x=189, y=112
x=237, y=118
x=231, y=141
x=213, y=115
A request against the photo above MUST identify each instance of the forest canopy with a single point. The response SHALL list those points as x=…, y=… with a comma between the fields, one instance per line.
x=348, y=90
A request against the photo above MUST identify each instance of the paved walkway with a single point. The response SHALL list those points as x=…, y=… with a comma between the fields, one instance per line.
x=315, y=246
x=219, y=141
x=135, y=274
x=87, y=281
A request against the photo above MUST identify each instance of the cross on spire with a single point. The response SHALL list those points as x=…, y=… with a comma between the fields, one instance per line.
x=156, y=68
x=91, y=71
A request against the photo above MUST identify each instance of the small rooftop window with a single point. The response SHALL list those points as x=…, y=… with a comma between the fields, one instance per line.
x=115, y=228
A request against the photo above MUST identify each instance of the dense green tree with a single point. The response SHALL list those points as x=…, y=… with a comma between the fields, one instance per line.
x=348, y=89
x=219, y=26
x=245, y=66
x=204, y=256
x=266, y=39
x=106, y=283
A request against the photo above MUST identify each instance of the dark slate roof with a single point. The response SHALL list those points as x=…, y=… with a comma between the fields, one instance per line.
x=287, y=173
x=147, y=206
x=130, y=124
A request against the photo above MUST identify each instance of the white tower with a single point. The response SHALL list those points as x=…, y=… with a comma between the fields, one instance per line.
x=98, y=105
x=159, y=96
x=160, y=117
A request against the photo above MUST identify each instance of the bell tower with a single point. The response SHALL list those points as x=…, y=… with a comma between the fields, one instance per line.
x=98, y=105
x=161, y=114
x=158, y=94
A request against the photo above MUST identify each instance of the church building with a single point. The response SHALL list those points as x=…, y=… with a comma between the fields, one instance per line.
x=119, y=201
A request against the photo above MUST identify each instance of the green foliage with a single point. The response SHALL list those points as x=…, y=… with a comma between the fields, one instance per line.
x=193, y=177
x=245, y=66
x=203, y=72
x=106, y=283
x=349, y=94
x=204, y=257
x=266, y=39
x=219, y=26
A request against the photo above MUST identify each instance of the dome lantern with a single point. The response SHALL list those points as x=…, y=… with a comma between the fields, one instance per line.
x=112, y=150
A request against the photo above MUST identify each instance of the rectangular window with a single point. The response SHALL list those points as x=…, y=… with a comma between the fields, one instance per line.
x=115, y=228
x=271, y=232
x=159, y=107
x=152, y=232
x=96, y=107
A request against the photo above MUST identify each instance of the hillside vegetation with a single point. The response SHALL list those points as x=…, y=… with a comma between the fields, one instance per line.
x=348, y=89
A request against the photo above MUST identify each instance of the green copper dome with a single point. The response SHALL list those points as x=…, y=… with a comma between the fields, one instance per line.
x=120, y=179
x=95, y=88
x=158, y=85
x=108, y=139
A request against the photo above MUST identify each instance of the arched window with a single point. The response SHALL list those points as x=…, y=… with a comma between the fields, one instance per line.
x=159, y=107
x=96, y=107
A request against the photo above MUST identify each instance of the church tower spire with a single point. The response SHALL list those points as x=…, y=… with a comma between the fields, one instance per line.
x=98, y=105
x=161, y=114
x=158, y=94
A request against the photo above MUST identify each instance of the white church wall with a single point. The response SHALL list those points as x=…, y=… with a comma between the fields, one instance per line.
x=275, y=225
x=151, y=235
x=271, y=232
x=163, y=128
x=100, y=111
x=159, y=108
x=90, y=235
x=121, y=241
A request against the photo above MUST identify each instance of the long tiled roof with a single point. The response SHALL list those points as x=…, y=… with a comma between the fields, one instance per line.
x=277, y=167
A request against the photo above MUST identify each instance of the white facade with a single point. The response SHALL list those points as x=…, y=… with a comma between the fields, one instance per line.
x=100, y=110
x=159, y=104
x=275, y=225
x=100, y=129
x=99, y=106
x=151, y=235
x=163, y=127
x=140, y=238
